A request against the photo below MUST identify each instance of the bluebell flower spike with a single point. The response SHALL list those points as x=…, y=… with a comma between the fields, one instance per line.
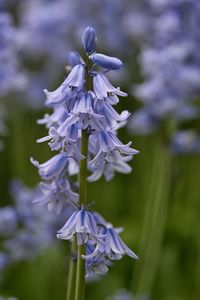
x=78, y=110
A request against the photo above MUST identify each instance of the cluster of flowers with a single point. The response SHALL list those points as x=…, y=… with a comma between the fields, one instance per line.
x=6, y=68
x=25, y=228
x=185, y=142
x=11, y=77
x=170, y=63
x=9, y=67
x=84, y=101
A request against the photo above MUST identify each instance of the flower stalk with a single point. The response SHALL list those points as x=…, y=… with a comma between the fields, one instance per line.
x=80, y=273
x=72, y=272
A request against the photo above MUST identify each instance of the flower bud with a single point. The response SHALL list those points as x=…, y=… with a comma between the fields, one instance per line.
x=74, y=59
x=107, y=62
x=89, y=39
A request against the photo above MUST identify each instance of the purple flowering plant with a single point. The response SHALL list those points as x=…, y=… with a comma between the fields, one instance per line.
x=83, y=131
x=169, y=51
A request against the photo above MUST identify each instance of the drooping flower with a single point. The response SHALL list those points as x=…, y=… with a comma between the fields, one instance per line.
x=95, y=266
x=53, y=167
x=56, y=194
x=81, y=223
x=75, y=79
x=103, y=88
x=83, y=115
x=110, y=155
x=113, y=246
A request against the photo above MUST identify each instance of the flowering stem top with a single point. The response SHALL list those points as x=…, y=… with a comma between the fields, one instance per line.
x=83, y=128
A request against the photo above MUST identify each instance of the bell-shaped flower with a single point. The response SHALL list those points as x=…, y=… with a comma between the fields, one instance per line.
x=109, y=148
x=83, y=115
x=81, y=223
x=107, y=62
x=56, y=194
x=54, y=120
x=112, y=119
x=107, y=165
x=66, y=90
x=53, y=167
x=109, y=155
x=113, y=246
x=69, y=142
x=97, y=265
x=103, y=88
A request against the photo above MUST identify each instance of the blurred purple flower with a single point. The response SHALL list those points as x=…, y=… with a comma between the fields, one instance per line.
x=170, y=65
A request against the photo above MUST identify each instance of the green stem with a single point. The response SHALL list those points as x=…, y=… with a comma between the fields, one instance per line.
x=154, y=222
x=80, y=274
x=83, y=169
x=72, y=272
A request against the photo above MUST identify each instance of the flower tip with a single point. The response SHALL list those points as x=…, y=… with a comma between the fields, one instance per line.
x=45, y=91
x=89, y=39
x=34, y=162
x=132, y=254
x=135, y=256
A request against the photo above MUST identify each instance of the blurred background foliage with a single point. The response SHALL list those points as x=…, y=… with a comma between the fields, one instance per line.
x=157, y=204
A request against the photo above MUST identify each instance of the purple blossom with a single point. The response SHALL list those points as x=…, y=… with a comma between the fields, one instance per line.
x=66, y=139
x=113, y=246
x=75, y=79
x=110, y=155
x=107, y=62
x=53, y=167
x=95, y=266
x=169, y=50
x=103, y=88
x=81, y=223
x=83, y=115
x=57, y=195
